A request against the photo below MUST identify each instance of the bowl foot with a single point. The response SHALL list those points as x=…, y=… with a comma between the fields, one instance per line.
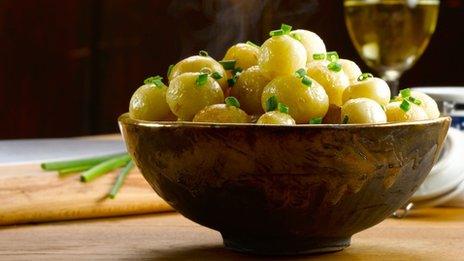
x=285, y=246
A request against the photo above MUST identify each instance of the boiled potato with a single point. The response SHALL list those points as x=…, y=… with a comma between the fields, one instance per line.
x=281, y=55
x=245, y=55
x=372, y=88
x=196, y=64
x=427, y=103
x=351, y=70
x=396, y=114
x=186, y=98
x=304, y=102
x=221, y=113
x=333, y=82
x=362, y=110
x=277, y=118
x=149, y=103
x=311, y=42
x=248, y=89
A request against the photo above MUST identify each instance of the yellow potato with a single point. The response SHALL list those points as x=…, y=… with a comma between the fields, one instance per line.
x=196, y=64
x=221, y=113
x=186, y=98
x=149, y=103
x=245, y=55
x=351, y=70
x=427, y=103
x=277, y=118
x=304, y=102
x=311, y=42
x=372, y=88
x=362, y=110
x=248, y=89
x=281, y=55
x=396, y=114
x=334, y=83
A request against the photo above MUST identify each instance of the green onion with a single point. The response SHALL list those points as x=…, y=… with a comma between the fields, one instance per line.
x=405, y=93
x=237, y=70
x=67, y=164
x=282, y=108
x=216, y=75
x=383, y=107
x=415, y=101
x=405, y=106
x=334, y=66
x=170, y=69
x=233, y=80
x=203, y=53
x=104, y=167
x=345, y=119
x=317, y=120
x=272, y=103
x=120, y=179
x=232, y=101
x=276, y=33
x=63, y=172
x=252, y=44
x=332, y=56
x=156, y=80
x=228, y=64
x=393, y=99
x=286, y=28
x=319, y=56
x=296, y=36
x=301, y=73
x=365, y=76
x=202, y=79
x=306, y=81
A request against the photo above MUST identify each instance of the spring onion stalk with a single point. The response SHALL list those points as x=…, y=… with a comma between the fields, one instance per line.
x=306, y=81
x=104, y=167
x=405, y=93
x=156, y=80
x=334, y=67
x=202, y=79
x=64, y=172
x=317, y=120
x=228, y=64
x=67, y=164
x=232, y=101
x=120, y=179
x=170, y=69
x=365, y=76
x=282, y=108
x=216, y=75
x=272, y=103
x=405, y=106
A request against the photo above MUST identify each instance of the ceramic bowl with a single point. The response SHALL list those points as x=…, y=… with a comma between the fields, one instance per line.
x=281, y=190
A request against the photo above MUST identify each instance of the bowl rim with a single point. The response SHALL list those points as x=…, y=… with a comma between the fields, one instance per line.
x=127, y=120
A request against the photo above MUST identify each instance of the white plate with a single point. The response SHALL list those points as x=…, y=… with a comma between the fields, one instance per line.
x=455, y=94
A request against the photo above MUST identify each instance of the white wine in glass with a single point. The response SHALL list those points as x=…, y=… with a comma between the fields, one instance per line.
x=390, y=35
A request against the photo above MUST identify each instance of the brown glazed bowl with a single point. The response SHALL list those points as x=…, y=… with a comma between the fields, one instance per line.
x=285, y=189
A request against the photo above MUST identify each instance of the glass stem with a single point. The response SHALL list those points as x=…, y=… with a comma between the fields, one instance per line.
x=393, y=80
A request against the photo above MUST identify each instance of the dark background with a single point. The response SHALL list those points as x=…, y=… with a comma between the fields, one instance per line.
x=69, y=67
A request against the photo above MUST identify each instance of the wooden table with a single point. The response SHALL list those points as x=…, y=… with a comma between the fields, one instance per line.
x=432, y=234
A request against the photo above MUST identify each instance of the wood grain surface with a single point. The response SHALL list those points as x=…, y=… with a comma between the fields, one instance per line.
x=432, y=234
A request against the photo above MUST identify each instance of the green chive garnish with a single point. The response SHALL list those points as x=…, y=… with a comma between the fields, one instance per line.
x=104, y=167
x=334, y=66
x=300, y=73
x=228, y=64
x=319, y=56
x=202, y=79
x=383, y=107
x=317, y=120
x=120, y=179
x=345, y=119
x=203, y=53
x=170, y=69
x=68, y=164
x=286, y=28
x=216, y=75
x=414, y=100
x=332, y=56
x=405, y=106
x=282, y=108
x=365, y=76
x=276, y=32
x=405, y=93
x=296, y=36
x=252, y=44
x=237, y=70
x=272, y=103
x=156, y=80
x=232, y=101
x=306, y=81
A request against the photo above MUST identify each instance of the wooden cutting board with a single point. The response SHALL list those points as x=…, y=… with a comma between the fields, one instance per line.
x=28, y=194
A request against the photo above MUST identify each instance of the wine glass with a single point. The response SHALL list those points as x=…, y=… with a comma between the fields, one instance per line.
x=390, y=35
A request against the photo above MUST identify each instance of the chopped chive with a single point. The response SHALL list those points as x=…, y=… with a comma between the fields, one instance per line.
x=120, y=179
x=104, y=167
x=286, y=28
x=383, y=107
x=170, y=69
x=63, y=172
x=414, y=100
x=301, y=73
x=405, y=106
x=234, y=79
x=271, y=103
x=276, y=32
x=334, y=67
x=306, y=81
x=332, y=56
x=282, y=108
x=216, y=75
x=405, y=93
x=365, y=76
x=237, y=70
x=345, y=119
x=156, y=80
x=67, y=164
x=232, y=101
x=319, y=56
x=393, y=99
x=296, y=36
x=228, y=64
x=317, y=120
x=202, y=79
x=203, y=53
x=252, y=44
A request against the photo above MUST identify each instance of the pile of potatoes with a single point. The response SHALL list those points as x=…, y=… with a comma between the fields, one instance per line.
x=290, y=79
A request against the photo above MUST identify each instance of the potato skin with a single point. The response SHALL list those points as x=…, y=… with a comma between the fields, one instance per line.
x=372, y=88
x=186, y=99
x=281, y=55
x=363, y=111
x=396, y=114
x=245, y=55
x=149, y=103
x=276, y=118
x=304, y=102
x=221, y=113
x=351, y=70
x=312, y=43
